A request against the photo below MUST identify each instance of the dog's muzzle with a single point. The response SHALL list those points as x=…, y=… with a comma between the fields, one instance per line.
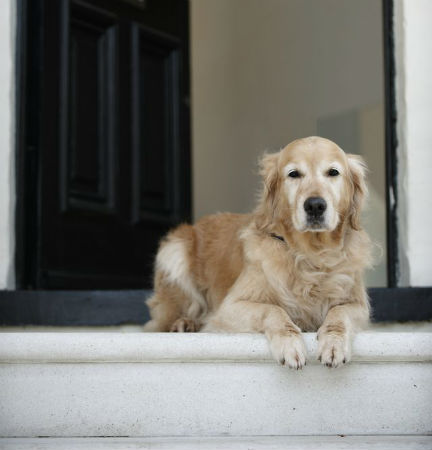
x=315, y=208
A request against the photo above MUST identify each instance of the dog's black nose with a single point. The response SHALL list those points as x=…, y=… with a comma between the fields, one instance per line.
x=315, y=206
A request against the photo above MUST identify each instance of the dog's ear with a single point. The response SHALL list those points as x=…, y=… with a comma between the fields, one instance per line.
x=269, y=172
x=358, y=170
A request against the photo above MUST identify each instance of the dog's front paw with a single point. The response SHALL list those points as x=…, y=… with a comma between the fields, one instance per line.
x=288, y=349
x=333, y=350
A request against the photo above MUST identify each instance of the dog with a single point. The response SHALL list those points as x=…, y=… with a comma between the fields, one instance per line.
x=294, y=264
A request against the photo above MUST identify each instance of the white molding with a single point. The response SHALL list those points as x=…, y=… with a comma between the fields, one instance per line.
x=7, y=143
x=413, y=40
x=194, y=347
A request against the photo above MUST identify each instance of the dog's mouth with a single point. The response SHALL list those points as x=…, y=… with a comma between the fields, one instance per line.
x=316, y=224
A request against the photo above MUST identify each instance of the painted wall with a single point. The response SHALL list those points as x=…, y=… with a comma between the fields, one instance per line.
x=256, y=87
x=265, y=73
x=7, y=139
x=413, y=41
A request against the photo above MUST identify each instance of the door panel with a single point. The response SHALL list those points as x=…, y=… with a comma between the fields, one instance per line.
x=113, y=143
x=155, y=118
x=89, y=145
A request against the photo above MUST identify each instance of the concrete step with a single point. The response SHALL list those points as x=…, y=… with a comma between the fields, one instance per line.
x=135, y=385
x=224, y=443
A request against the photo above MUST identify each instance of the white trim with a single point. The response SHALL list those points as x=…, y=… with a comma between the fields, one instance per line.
x=194, y=347
x=7, y=143
x=413, y=41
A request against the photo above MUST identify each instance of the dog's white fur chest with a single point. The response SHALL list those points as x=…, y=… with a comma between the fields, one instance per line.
x=306, y=290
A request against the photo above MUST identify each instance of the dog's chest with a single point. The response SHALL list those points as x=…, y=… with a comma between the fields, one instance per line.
x=307, y=290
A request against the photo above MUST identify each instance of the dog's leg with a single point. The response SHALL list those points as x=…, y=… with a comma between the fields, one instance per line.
x=337, y=331
x=165, y=308
x=171, y=309
x=244, y=311
x=177, y=304
x=286, y=342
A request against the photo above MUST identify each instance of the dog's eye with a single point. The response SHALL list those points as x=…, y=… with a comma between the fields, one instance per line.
x=294, y=174
x=333, y=172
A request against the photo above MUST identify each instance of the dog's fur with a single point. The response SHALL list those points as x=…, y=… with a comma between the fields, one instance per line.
x=275, y=271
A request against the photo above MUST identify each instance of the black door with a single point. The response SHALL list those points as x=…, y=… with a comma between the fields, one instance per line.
x=107, y=168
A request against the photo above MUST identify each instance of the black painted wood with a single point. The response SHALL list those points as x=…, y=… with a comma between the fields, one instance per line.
x=95, y=308
x=390, y=144
x=104, y=157
x=89, y=122
x=401, y=304
x=155, y=124
x=73, y=308
x=28, y=54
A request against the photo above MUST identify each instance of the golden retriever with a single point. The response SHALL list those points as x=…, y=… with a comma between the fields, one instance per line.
x=294, y=264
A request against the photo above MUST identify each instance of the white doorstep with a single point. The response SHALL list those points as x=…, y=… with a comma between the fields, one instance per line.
x=135, y=385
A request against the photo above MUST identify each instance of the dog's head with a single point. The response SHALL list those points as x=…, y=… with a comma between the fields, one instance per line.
x=313, y=185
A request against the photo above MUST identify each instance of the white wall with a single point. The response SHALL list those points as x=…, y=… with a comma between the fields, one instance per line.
x=7, y=139
x=263, y=74
x=413, y=40
x=267, y=72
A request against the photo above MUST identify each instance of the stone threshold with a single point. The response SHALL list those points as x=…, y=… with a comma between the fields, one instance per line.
x=195, y=347
x=172, y=385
